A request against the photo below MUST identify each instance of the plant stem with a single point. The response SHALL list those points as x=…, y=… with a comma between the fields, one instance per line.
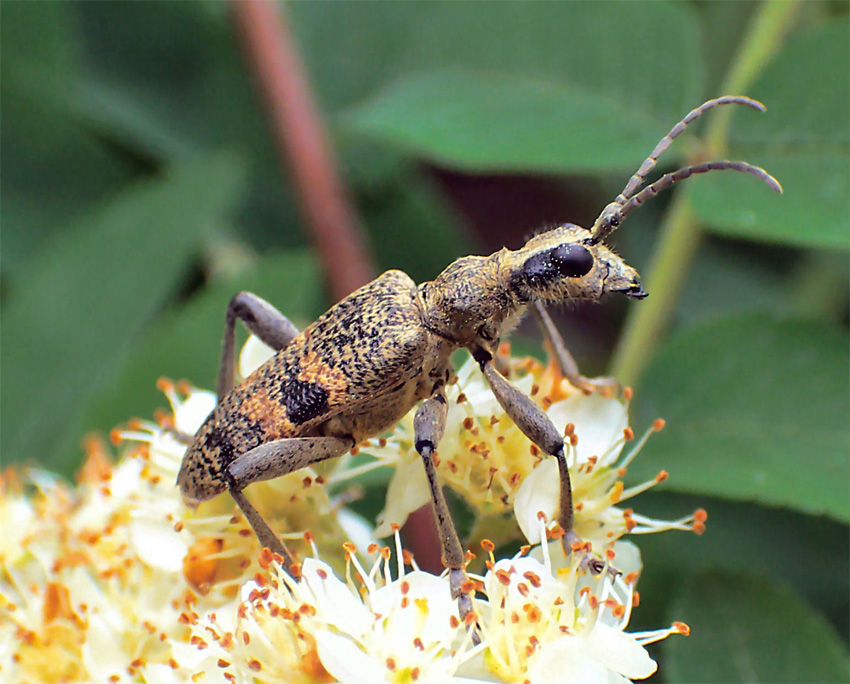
x=681, y=234
x=302, y=141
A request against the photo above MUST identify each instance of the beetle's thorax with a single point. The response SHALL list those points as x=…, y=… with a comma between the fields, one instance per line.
x=471, y=299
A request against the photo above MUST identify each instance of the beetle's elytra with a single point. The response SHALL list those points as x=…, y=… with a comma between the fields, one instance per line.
x=385, y=348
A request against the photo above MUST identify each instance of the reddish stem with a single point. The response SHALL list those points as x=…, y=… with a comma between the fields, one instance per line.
x=302, y=142
x=301, y=138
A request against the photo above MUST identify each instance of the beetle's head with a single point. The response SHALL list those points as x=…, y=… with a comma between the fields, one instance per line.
x=566, y=263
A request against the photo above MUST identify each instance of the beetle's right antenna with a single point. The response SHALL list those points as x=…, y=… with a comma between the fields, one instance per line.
x=614, y=214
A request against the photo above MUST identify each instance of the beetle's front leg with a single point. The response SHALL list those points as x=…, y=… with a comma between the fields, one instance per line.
x=262, y=319
x=535, y=425
x=566, y=363
x=271, y=460
x=428, y=426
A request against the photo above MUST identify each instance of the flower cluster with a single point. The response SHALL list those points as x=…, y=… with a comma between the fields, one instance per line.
x=116, y=580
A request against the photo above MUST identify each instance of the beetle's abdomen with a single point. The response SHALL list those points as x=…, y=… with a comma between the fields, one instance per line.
x=356, y=369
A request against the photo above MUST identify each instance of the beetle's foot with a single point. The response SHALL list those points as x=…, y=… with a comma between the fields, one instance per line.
x=602, y=385
x=463, y=589
x=572, y=543
x=182, y=437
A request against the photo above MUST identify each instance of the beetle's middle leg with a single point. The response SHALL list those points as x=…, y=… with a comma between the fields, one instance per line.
x=428, y=426
x=271, y=460
x=262, y=319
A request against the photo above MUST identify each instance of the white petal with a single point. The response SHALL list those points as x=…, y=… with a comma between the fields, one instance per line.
x=427, y=614
x=357, y=529
x=599, y=423
x=567, y=661
x=192, y=412
x=540, y=491
x=334, y=601
x=158, y=545
x=408, y=491
x=343, y=659
x=620, y=652
x=253, y=355
x=627, y=558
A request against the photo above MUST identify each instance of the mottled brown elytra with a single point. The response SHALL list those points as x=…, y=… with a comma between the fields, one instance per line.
x=385, y=348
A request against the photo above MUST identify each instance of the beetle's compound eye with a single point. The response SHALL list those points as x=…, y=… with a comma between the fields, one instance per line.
x=572, y=261
x=564, y=261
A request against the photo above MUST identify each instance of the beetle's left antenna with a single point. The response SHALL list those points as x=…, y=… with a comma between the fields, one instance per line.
x=614, y=214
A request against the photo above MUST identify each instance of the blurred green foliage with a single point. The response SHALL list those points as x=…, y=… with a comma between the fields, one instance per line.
x=140, y=189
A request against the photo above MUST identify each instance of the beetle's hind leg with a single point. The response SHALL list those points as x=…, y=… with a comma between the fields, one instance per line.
x=428, y=426
x=271, y=460
x=262, y=319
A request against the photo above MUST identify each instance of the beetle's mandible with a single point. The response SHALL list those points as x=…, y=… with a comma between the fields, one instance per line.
x=382, y=350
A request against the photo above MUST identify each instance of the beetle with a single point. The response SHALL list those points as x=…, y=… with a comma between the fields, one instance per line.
x=385, y=348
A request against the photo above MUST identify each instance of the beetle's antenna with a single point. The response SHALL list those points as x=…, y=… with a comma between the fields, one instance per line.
x=616, y=211
x=669, y=179
x=649, y=163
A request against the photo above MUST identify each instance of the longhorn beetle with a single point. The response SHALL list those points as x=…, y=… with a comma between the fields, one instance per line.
x=385, y=348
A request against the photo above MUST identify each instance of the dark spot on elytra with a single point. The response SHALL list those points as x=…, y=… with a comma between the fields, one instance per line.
x=219, y=439
x=304, y=401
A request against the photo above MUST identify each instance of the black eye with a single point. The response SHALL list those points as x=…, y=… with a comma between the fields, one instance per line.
x=564, y=261
x=572, y=261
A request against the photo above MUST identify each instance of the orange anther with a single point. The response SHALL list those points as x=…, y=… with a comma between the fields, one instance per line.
x=628, y=434
x=659, y=424
x=682, y=628
x=628, y=393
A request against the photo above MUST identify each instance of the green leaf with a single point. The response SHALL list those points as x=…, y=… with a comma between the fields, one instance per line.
x=756, y=409
x=535, y=90
x=744, y=628
x=70, y=316
x=802, y=140
x=606, y=48
x=742, y=538
x=186, y=343
x=486, y=122
x=53, y=169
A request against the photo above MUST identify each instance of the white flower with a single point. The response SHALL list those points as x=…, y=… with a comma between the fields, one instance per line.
x=547, y=620
x=486, y=459
x=370, y=628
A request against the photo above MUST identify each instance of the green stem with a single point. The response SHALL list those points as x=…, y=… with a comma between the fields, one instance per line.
x=819, y=286
x=680, y=233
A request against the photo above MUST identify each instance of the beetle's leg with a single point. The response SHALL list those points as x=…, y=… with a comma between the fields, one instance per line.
x=182, y=437
x=262, y=319
x=268, y=539
x=271, y=460
x=566, y=363
x=535, y=425
x=428, y=426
